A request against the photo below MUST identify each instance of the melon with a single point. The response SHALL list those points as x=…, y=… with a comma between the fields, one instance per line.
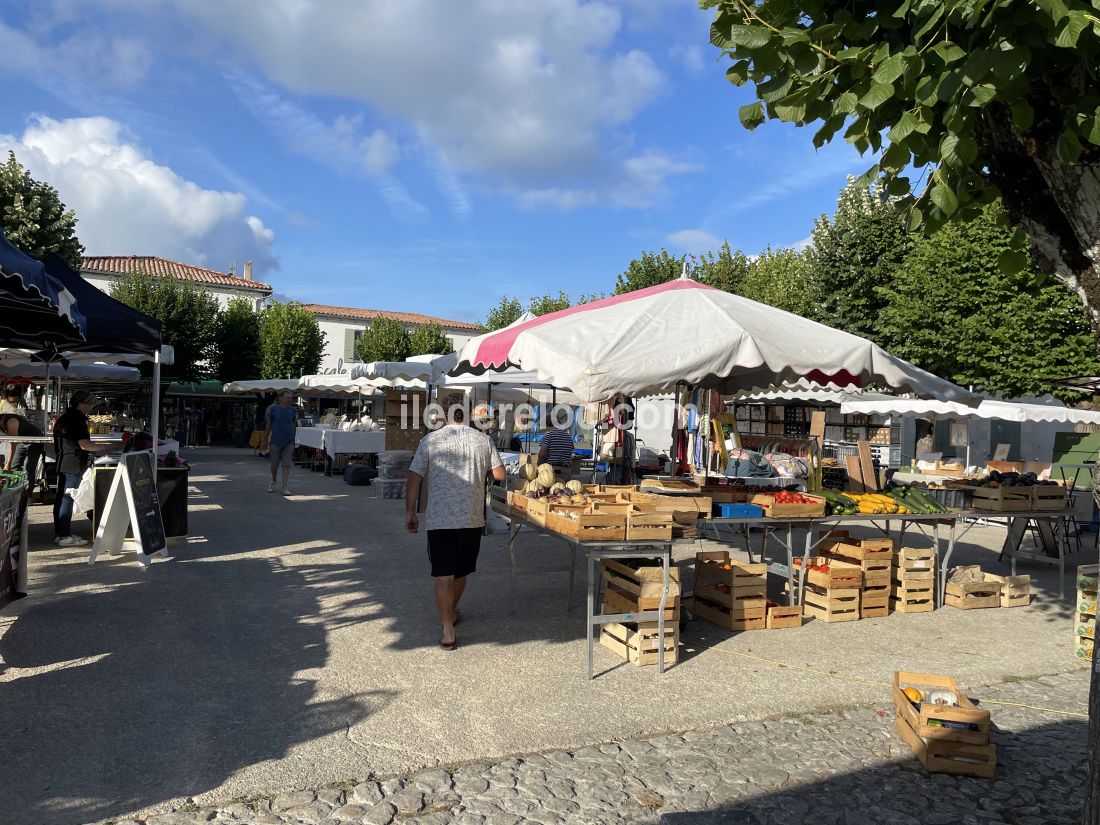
x=575, y=487
x=557, y=489
x=546, y=475
x=532, y=488
x=528, y=471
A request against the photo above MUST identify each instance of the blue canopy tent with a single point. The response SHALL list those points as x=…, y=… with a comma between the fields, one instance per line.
x=35, y=308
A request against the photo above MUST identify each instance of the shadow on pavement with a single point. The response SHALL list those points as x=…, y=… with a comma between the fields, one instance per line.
x=164, y=697
x=1040, y=780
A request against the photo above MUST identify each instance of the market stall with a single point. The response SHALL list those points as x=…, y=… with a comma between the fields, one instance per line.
x=685, y=334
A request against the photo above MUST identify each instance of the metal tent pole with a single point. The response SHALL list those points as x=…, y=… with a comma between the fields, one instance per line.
x=154, y=411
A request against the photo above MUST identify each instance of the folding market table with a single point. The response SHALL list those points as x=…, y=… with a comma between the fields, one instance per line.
x=595, y=552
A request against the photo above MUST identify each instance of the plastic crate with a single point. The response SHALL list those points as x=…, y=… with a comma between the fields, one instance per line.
x=738, y=510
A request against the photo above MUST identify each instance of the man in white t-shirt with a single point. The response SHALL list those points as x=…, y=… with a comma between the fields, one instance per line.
x=454, y=461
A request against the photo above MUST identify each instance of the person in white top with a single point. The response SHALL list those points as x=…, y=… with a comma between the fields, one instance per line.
x=452, y=464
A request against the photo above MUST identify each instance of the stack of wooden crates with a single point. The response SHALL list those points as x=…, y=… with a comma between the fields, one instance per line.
x=733, y=595
x=913, y=581
x=632, y=586
x=1084, y=635
x=875, y=560
x=830, y=592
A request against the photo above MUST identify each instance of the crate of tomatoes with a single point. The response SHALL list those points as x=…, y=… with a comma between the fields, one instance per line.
x=787, y=504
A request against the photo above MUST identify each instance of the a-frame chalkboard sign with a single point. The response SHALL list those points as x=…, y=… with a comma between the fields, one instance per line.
x=132, y=505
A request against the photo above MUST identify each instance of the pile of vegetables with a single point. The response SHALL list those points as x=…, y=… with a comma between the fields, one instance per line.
x=894, y=500
x=539, y=483
x=792, y=497
x=996, y=479
x=838, y=504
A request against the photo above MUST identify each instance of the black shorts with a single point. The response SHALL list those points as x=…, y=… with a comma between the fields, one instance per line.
x=454, y=552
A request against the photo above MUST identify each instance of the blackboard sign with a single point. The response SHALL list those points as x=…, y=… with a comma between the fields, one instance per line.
x=132, y=500
x=143, y=488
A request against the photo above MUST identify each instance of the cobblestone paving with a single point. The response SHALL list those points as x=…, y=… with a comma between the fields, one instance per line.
x=837, y=768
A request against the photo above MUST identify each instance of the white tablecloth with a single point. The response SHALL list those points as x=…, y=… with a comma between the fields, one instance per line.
x=341, y=442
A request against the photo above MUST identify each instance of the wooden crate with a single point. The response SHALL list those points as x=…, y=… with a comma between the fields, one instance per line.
x=585, y=526
x=1085, y=626
x=1085, y=649
x=914, y=564
x=1049, y=497
x=831, y=604
x=783, y=616
x=841, y=574
x=1087, y=576
x=957, y=758
x=639, y=643
x=537, y=510
x=872, y=555
x=867, y=612
x=774, y=510
x=973, y=595
x=715, y=567
x=723, y=616
x=616, y=601
x=965, y=723
x=912, y=598
x=1015, y=590
x=643, y=584
x=699, y=505
x=1002, y=499
x=650, y=525
x=739, y=607
x=672, y=485
x=875, y=595
x=1086, y=603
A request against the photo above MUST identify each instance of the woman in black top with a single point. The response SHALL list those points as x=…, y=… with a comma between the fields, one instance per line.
x=73, y=444
x=22, y=455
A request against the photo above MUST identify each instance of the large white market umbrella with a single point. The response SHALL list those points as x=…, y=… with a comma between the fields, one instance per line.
x=649, y=341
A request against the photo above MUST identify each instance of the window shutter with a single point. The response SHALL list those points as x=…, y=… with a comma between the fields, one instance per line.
x=349, y=345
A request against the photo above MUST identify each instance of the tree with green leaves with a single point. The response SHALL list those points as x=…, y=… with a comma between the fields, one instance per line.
x=237, y=352
x=650, y=269
x=784, y=279
x=429, y=339
x=384, y=340
x=33, y=216
x=188, y=319
x=545, y=304
x=951, y=310
x=291, y=342
x=506, y=312
x=853, y=254
x=725, y=270
x=985, y=97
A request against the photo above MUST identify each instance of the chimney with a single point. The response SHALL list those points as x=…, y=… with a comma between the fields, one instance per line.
x=247, y=275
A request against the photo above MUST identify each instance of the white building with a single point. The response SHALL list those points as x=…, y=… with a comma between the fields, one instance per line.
x=102, y=271
x=342, y=326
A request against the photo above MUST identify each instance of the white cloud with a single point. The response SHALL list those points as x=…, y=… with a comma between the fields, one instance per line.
x=691, y=56
x=127, y=203
x=637, y=181
x=528, y=97
x=694, y=240
x=340, y=145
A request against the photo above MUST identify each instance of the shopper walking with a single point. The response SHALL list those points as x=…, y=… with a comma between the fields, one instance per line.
x=454, y=461
x=73, y=446
x=282, y=418
x=21, y=454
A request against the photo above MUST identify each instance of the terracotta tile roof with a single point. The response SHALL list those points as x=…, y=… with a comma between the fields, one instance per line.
x=164, y=268
x=404, y=317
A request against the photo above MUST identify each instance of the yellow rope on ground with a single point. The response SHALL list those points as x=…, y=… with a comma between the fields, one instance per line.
x=845, y=678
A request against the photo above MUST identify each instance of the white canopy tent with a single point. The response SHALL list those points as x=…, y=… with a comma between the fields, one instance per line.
x=261, y=385
x=651, y=340
x=1039, y=409
x=74, y=372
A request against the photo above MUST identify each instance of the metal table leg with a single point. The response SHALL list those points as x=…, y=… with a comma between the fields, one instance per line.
x=666, y=557
x=513, y=529
x=951, y=537
x=572, y=576
x=591, y=607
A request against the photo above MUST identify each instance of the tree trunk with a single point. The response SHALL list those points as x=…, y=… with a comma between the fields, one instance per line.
x=1059, y=207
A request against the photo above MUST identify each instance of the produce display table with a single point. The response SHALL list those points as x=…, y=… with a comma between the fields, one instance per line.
x=334, y=442
x=596, y=551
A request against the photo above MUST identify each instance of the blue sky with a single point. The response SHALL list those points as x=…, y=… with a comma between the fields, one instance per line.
x=407, y=155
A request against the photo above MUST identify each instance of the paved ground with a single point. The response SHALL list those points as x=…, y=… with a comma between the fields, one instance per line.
x=290, y=644
x=830, y=768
